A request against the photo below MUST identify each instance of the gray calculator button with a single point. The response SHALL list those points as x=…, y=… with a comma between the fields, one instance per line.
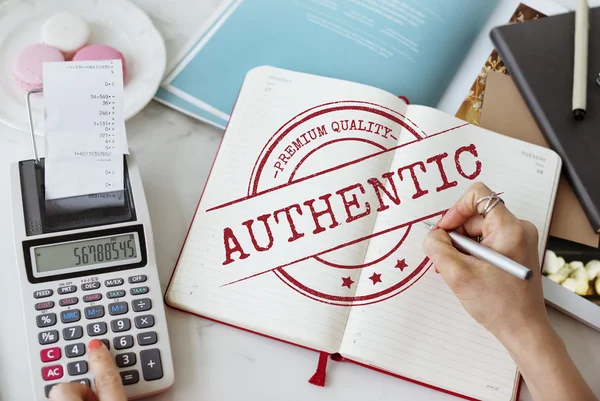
x=147, y=338
x=130, y=377
x=77, y=368
x=92, y=297
x=140, y=278
x=48, y=388
x=94, y=312
x=94, y=285
x=72, y=332
x=48, y=337
x=106, y=343
x=67, y=289
x=126, y=359
x=75, y=350
x=96, y=329
x=115, y=294
x=85, y=382
x=43, y=293
x=118, y=308
x=70, y=315
x=151, y=364
x=141, y=322
x=140, y=305
x=68, y=301
x=47, y=320
x=120, y=325
x=113, y=282
x=123, y=342
x=44, y=305
x=139, y=290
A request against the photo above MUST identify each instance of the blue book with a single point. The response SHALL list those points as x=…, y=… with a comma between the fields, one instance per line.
x=409, y=48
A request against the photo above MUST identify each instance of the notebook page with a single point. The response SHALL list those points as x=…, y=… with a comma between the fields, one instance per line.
x=271, y=142
x=423, y=332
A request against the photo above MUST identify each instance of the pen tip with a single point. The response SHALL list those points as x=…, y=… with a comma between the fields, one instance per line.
x=429, y=225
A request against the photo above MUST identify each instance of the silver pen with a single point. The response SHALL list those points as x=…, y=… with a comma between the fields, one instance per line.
x=486, y=254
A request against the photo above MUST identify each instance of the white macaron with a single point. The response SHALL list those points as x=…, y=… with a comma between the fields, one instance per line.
x=67, y=32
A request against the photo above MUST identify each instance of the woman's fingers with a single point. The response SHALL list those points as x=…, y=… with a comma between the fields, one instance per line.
x=451, y=263
x=106, y=376
x=72, y=392
x=473, y=227
x=465, y=209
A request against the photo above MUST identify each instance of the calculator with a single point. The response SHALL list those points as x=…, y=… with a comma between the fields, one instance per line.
x=88, y=271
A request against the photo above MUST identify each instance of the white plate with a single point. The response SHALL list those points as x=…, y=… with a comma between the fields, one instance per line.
x=116, y=23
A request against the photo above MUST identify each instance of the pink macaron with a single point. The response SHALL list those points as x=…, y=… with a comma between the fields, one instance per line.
x=100, y=52
x=27, y=66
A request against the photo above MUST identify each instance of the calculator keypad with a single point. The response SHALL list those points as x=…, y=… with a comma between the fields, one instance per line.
x=67, y=289
x=94, y=285
x=52, y=372
x=141, y=305
x=96, y=329
x=123, y=342
x=115, y=294
x=72, y=332
x=47, y=320
x=144, y=321
x=114, y=282
x=75, y=350
x=126, y=359
x=48, y=337
x=70, y=315
x=147, y=338
x=120, y=325
x=44, y=305
x=94, y=312
x=118, y=308
x=77, y=368
x=50, y=354
x=67, y=360
x=43, y=293
x=92, y=297
x=130, y=377
x=68, y=301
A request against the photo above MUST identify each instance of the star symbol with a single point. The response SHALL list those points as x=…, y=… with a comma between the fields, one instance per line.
x=376, y=278
x=401, y=264
x=347, y=281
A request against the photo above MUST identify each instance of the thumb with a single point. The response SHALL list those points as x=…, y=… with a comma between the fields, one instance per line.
x=450, y=262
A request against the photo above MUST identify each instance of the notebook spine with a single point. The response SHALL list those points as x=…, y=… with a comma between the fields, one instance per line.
x=591, y=210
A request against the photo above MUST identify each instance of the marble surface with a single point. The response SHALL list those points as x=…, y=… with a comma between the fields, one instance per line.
x=212, y=361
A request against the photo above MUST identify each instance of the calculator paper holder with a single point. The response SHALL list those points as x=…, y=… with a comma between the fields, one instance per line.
x=46, y=216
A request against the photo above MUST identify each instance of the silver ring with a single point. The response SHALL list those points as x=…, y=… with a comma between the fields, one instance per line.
x=492, y=201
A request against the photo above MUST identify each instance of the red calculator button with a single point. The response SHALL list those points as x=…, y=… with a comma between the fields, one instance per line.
x=52, y=372
x=50, y=354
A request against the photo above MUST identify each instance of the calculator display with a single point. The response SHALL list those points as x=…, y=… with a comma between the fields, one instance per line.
x=97, y=251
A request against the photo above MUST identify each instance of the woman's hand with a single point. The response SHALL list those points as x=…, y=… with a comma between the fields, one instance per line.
x=106, y=377
x=510, y=308
x=499, y=301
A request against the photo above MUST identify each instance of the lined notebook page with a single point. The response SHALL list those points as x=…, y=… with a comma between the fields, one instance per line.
x=424, y=333
x=268, y=303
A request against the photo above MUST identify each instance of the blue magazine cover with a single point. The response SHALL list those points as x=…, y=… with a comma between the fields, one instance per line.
x=410, y=48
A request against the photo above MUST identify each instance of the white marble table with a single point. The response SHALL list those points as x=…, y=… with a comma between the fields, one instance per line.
x=212, y=361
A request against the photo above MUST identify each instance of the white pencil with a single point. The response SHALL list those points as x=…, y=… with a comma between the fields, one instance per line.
x=580, y=64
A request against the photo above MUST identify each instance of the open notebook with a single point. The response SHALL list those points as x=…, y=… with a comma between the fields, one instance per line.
x=308, y=228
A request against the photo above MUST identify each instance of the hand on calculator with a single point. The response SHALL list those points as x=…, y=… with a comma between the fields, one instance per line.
x=109, y=386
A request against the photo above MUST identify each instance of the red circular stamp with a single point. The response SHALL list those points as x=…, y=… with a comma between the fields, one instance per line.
x=381, y=264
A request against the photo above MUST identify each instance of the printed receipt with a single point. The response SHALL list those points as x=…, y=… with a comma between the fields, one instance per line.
x=85, y=128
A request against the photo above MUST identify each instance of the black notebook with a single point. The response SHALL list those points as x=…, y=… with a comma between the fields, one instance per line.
x=539, y=57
